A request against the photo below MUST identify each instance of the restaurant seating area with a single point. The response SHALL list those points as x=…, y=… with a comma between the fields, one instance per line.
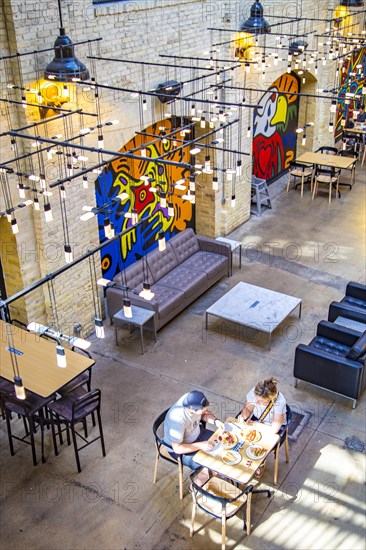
x=182, y=270
x=119, y=488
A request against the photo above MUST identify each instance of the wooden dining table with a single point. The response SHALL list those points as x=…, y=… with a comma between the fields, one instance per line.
x=36, y=359
x=331, y=161
x=244, y=471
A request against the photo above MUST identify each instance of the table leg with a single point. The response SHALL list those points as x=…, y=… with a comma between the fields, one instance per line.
x=116, y=332
x=206, y=319
x=142, y=339
x=240, y=252
x=300, y=305
x=269, y=340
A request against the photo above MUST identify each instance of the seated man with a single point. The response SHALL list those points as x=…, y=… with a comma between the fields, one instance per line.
x=182, y=428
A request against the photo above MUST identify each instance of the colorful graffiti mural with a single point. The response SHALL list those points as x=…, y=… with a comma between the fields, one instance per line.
x=123, y=176
x=350, y=84
x=274, y=128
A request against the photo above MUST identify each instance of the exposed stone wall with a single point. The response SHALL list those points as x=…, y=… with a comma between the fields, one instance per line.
x=130, y=31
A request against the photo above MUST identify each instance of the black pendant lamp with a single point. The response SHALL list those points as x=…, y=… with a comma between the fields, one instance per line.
x=352, y=3
x=256, y=24
x=65, y=67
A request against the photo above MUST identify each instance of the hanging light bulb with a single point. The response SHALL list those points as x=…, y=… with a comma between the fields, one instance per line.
x=146, y=292
x=134, y=216
x=289, y=68
x=127, y=309
x=85, y=182
x=61, y=357
x=193, y=109
x=143, y=152
x=68, y=254
x=215, y=183
x=107, y=228
x=170, y=209
x=161, y=241
x=333, y=106
x=62, y=192
x=24, y=102
x=100, y=141
x=36, y=203
x=21, y=190
x=207, y=162
x=163, y=200
x=233, y=201
x=99, y=329
x=19, y=388
x=48, y=212
x=248, y=132
x=192, y=183
x=331, y=127
x=238, y=168
x=144, y=105
x=303, y=141
x=14, y=226
x=203, y=122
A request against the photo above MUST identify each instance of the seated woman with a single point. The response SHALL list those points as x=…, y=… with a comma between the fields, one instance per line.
x=264, y=403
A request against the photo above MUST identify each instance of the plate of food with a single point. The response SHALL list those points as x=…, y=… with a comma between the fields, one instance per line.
x=256, y=452
x=252, y=435
x=231, y=457
x=228, y=440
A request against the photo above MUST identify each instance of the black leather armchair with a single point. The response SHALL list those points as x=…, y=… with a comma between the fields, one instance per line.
x=352, y=306
x=334, y=360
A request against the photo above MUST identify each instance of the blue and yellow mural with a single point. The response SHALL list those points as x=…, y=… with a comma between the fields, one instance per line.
x=123, y=176
x=274, y=128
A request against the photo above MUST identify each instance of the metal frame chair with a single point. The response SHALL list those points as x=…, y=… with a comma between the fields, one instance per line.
x=72, y=410
x=162, y=451
x=328, y=176
x=351, y=154
x=221, y=499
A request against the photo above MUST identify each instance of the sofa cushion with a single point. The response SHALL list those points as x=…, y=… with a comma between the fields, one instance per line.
x=160, y=263
x=185, y=280
x=355, y=302
x=165, y=299
x=324, y=344
x=358, y=348
x=211, y=264
x=184, y=244
x=132, y=276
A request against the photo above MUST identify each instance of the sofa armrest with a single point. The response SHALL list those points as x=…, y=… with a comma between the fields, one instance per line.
x=338, y=333
x=342, y=309
x=328, y=371
x=211, y=245
x=357, y=290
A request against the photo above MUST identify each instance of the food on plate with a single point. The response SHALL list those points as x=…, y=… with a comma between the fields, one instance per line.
x=252, y=435
x=258, y=451
x=227, y=440
x=231, y=457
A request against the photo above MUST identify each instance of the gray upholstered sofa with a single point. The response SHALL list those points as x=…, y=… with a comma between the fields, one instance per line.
x=179, y=275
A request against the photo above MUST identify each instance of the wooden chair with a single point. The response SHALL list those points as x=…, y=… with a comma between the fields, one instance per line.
x=221, y=499
x=162, y=451
x=351, y=154
x=327, y=176
x=73, y=409
x=283, y=433
x=302, y=171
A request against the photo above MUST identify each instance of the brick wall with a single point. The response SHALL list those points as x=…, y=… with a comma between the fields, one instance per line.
x=137, y=31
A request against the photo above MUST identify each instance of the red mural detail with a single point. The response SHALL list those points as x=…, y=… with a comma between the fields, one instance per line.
x=270, y=156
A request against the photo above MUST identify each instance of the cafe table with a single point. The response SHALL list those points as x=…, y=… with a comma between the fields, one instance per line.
x=332, y=161
x=244, y=471
x=36, y=359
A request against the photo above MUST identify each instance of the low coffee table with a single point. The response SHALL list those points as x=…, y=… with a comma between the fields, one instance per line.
x=254, y=307
x=140, y=317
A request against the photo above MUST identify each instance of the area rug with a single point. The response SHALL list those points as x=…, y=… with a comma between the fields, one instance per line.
x=299, y=422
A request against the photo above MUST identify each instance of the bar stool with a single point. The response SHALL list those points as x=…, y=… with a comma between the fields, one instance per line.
x=259, y=195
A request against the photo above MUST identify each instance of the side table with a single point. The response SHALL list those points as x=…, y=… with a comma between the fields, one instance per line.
x=234, y=245
x=140, y=317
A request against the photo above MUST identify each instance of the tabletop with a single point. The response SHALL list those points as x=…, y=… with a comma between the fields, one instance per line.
x=244, y=471
x=36, y=359
x=140, y=315
x=334, y=161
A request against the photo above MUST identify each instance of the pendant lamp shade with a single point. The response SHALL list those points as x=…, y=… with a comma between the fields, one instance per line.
x=65, y=67
x=352, y=3
x=255, y=24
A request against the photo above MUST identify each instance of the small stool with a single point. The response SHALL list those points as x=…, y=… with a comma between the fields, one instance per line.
x=259, y=195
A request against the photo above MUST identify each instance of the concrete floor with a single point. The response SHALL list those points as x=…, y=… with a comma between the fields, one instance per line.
x=303, y=248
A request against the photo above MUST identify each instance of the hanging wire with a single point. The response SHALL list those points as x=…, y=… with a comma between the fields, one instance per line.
x=93, y=279
x=52, y=296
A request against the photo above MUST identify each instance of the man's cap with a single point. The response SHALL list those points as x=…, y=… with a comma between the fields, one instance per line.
x=195, y=400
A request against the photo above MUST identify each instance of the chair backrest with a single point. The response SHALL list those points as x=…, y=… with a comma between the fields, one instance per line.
x=158, y=429
x=299, y=165
x=348, y=153
x=86, y=404
x=80, y=350
x=224, y=500
x=327, y=150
